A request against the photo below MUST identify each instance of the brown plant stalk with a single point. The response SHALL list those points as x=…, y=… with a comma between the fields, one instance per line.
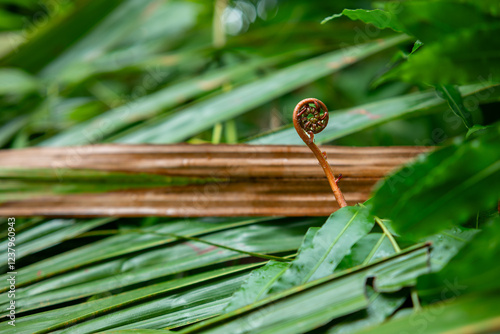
x=310, y=116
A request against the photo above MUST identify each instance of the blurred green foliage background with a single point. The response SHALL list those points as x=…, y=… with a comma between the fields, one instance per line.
x=77, y=72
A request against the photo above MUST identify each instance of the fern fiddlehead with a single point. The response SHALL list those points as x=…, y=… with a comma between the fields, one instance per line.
x=310, y=117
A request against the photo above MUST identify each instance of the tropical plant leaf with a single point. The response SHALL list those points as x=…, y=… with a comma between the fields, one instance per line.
x=416, y=46
x=175, y=310
x=119, y=27
x=246, y=97
x=10, y=21
x=113, y=247
x=430, y=21
x=157, y=71
x=242, y=180
x=451, y=94
x=257, y=285
x=446, y=245
x=380, y=307
x=489, y=6
x=453, y=68
x=109, y=122
x=463, y=176
x=98, y=307
x=471, y=270
x=313, y=307
x=380, y=18
x=468, y=314
x=49, y=234
x=329, y=246
x=368, y=249
x=315, y=303
x=391, y=279
x=52, y=41
x=223, y=288
x=170, y=319
x=158, y=263
x=455, y=49
x=260, y=280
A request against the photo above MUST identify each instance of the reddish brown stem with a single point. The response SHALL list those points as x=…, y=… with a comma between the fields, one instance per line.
x=302, y=124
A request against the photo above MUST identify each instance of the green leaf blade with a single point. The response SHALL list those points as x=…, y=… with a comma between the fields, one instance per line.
x=308, y=306
x=470, y=314
x=452, y=95
x=464, y=176
x=262, y=279
x=329, y=246
x=244, y=98
x=379, y=18
x=471, y=270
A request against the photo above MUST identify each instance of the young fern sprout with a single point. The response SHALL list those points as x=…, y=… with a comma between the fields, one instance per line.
x=310, y=116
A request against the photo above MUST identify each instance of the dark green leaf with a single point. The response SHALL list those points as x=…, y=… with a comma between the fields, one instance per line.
x=474, y=268
x=471, y=314
x=430, y=21
x=379, y=18
x=456, y=51
x=92, y=53
x=476, y=130
x=173, y=310
x=380, y=308
x=446, y=245
x=8, y=130
x=445, y=187
x=489, y=6
x=48, y=43
x=451, y=94
x=416, y=46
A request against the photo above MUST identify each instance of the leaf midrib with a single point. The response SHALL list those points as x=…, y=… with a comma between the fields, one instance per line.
x=329, y=249
x=268, y=285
